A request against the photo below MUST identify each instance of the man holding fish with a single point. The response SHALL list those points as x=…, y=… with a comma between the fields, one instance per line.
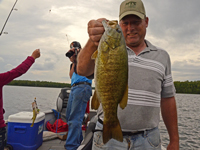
x=150, y=84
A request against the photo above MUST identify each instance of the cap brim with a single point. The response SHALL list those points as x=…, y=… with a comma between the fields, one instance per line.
x=131, y=13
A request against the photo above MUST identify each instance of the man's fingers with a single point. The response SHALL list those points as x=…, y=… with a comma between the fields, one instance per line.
x=95, y=31
x=96, y=38
x=101, y=19
x=94, y=23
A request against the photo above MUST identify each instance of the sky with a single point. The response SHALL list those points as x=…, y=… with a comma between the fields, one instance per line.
x=51, y=25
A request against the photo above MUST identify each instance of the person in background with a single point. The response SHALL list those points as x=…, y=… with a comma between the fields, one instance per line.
x=151, y=87
x=80, y=94
x=7, y=77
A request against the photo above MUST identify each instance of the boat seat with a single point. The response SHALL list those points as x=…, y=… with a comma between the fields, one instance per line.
x=87, y=142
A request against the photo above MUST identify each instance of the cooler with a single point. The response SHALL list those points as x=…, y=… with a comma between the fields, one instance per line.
x=21, y=135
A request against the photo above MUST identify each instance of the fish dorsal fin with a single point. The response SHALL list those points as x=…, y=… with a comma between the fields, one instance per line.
x=94, y=55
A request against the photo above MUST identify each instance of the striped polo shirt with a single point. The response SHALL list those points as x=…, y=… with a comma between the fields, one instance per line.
x=149, y=80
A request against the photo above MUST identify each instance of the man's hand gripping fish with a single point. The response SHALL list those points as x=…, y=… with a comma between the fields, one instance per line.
x=111, y=78
x=35, y=111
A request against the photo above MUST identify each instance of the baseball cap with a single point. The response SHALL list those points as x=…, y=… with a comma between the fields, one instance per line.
x=75, y=44
x=132, y=7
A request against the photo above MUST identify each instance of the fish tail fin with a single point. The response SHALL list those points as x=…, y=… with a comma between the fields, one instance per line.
x=112, y=131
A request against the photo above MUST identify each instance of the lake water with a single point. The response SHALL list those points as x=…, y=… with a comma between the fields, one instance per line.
x=19, y=98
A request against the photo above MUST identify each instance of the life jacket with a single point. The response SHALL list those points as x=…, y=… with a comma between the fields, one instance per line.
x=58, y=126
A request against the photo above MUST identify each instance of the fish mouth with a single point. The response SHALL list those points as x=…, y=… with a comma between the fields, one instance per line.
x=112, y=24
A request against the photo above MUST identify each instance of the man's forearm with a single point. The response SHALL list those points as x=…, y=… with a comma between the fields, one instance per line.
x=169, y=114
x=85, y=65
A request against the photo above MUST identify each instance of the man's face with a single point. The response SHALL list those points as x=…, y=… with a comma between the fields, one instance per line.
x=134, y=29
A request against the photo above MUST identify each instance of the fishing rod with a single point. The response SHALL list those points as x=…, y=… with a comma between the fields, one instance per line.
x=8, y=16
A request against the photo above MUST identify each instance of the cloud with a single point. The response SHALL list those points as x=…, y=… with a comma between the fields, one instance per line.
x=1, y=59
x=52, y=25
x=186, y=70
x=8, y=67
x=175, y=19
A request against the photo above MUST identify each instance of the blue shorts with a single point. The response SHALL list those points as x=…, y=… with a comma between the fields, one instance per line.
x=148, y=140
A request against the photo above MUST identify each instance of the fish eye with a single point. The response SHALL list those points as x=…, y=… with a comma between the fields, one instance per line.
x=119, y=31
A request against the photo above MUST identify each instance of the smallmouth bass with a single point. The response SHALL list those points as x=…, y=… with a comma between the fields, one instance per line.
x=111, y=78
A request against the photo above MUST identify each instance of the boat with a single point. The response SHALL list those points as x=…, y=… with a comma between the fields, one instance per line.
x=55, y=140
x=52, y=140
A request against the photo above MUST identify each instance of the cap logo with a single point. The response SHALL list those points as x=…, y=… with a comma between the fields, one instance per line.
x=132, y=7
x=131, y=4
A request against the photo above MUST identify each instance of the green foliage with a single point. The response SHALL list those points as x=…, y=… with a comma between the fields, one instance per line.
x=190, y=87
x=39, y=83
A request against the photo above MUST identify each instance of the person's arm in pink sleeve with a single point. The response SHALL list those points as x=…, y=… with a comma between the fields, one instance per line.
x=7, y=77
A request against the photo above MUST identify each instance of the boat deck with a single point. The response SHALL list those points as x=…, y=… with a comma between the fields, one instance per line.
x=55, y=144
x=50, y=139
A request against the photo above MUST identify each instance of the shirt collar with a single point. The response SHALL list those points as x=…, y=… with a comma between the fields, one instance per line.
x=149, y=47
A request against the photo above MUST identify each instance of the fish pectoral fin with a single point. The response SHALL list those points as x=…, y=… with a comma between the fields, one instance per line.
x=94, y=55
x=124, y=100
x=110, y=131
x=95, y=102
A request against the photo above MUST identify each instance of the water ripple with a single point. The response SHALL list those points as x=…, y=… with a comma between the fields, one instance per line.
x=188, y=122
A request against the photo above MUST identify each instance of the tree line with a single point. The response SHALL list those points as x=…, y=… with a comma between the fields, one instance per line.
x=38, y=83
x=190, y=87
